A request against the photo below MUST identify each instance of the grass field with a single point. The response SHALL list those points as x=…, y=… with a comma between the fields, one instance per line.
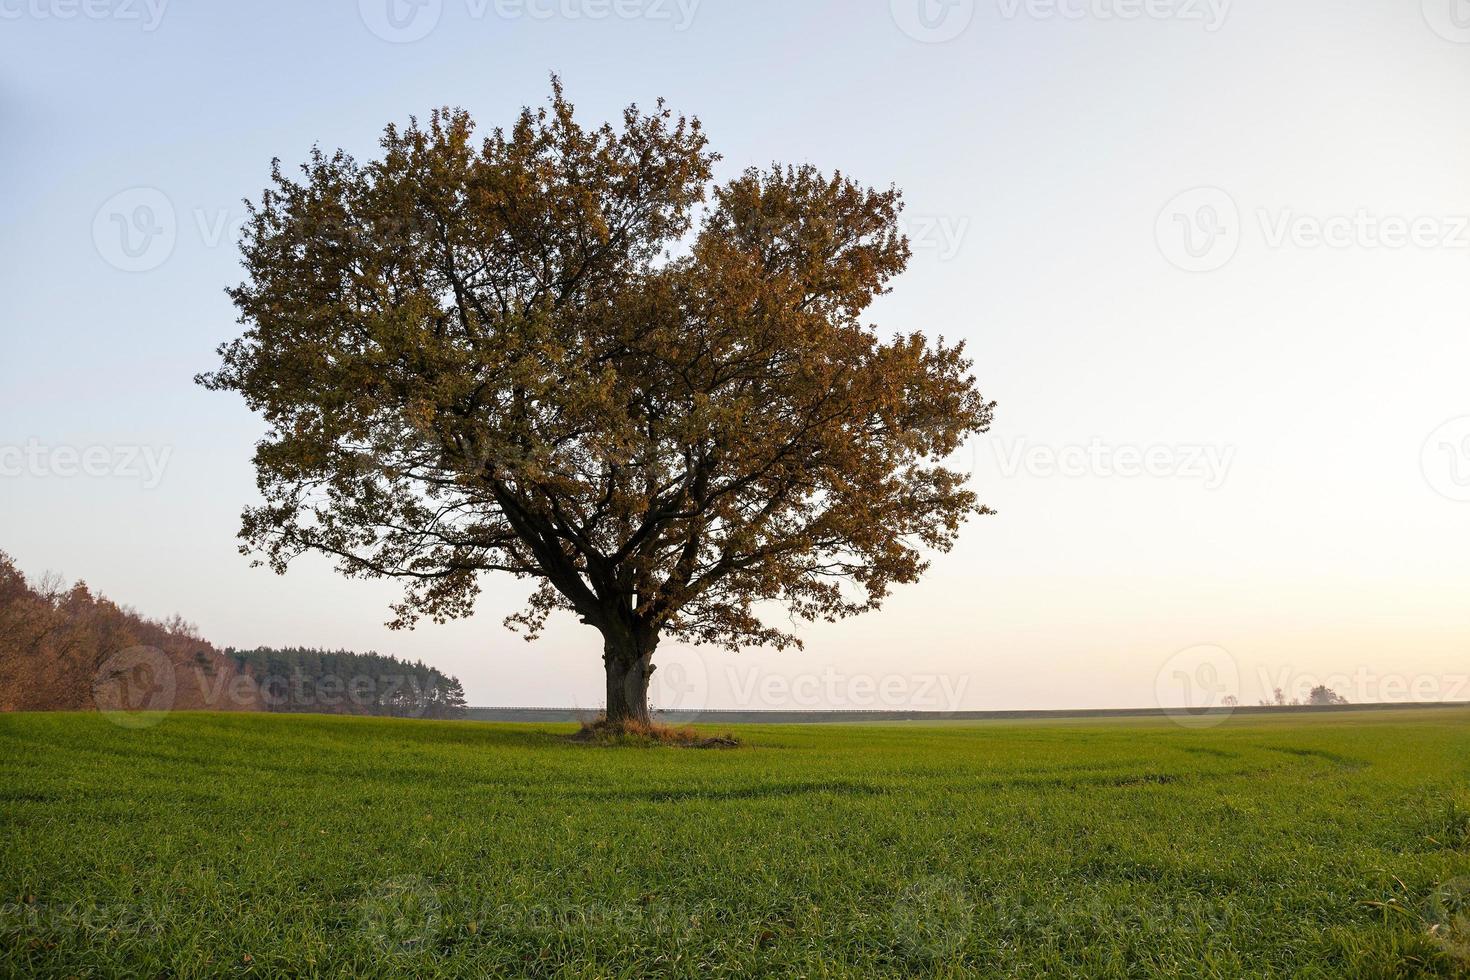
x=257, y=845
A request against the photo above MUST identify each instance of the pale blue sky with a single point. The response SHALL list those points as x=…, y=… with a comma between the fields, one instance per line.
x=1301, y=513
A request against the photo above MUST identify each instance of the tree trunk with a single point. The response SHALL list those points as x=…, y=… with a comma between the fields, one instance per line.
x=628, y=658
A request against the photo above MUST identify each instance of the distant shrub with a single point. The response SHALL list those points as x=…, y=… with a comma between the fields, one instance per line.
x=1319, y=695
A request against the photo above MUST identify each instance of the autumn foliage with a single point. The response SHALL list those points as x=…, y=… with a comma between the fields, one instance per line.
x=62, y=646
x=566, y=354
x=66, y=648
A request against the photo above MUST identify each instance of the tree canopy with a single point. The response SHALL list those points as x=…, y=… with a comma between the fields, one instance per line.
x=566, y=354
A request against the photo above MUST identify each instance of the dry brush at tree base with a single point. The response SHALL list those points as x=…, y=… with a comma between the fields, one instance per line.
x=604, y=731
x=562, y=354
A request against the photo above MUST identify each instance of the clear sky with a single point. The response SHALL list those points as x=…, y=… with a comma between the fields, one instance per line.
x=1213, y=260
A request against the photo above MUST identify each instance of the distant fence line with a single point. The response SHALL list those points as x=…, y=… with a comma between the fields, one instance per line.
x=796, y=717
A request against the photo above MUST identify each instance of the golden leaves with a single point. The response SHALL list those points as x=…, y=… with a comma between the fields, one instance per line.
x=480, y=358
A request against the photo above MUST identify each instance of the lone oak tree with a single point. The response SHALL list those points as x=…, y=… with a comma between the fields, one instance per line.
x=511, y=355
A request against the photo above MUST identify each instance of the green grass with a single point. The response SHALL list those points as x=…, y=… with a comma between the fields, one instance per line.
x=210, y=845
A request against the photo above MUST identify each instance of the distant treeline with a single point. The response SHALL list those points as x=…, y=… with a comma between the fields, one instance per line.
x=306, y=680
x=64, y=647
